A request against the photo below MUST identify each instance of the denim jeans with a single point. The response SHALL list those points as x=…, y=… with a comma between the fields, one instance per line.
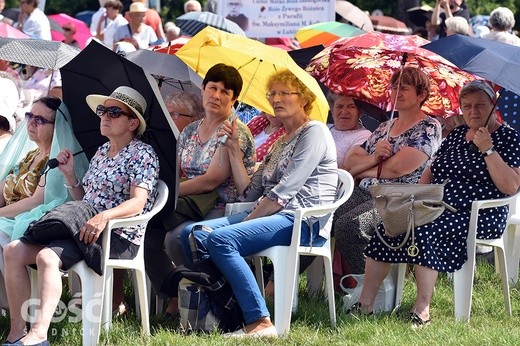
x=232, y=239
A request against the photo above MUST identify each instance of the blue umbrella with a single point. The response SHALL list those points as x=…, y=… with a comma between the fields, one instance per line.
x=193, y=22
x=492, y=60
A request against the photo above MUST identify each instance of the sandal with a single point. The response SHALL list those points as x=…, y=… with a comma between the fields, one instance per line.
x=357, y=310
x=418, y=322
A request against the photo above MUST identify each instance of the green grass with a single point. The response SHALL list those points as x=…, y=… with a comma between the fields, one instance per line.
x=310, y=325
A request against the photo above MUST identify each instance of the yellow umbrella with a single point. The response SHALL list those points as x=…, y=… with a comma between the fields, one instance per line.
x=254, y=60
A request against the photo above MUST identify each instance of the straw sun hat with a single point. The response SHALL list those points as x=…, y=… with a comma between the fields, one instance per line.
x=129, y=96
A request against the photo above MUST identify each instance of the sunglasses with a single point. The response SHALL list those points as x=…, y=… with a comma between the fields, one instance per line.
x=67, y=29
x=38, y=119
x=113, y=112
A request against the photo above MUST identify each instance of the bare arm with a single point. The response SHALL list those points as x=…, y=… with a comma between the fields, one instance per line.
x=358, y=161
x=219, y=170
x=236, y=156
x=66, y=166
x=93, y=228
x=405, y=161
x=506, y=178
x=12, y=210
x=426, y=177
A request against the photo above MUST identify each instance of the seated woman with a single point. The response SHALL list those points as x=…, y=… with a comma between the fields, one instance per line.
x=27, y=193
x=266, y=129
x=300, y=171
x=131, y=167
x=204, y=169
x=347, y=130
x=405, y=148
x=492, y=171
x=184, y=108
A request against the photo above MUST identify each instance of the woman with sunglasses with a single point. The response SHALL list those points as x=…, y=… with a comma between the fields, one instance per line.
x=28, y=190
x=120, y=182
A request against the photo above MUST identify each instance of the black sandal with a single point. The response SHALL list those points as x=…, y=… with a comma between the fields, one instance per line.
x=357, y=310
x=418, y=322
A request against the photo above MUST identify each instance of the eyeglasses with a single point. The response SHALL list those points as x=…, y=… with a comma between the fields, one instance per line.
x=114, y=112
x=282, y=94
x=176, y=115
x=67, y=29
x=38, y=119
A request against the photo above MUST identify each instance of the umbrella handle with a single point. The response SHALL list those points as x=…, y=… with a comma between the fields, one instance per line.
x=403, y=62
x=472, y=147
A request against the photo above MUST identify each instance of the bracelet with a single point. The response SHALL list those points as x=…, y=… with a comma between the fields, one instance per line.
x=72, y=186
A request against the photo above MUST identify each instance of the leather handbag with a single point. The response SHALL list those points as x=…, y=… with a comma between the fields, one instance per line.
x=402, y=207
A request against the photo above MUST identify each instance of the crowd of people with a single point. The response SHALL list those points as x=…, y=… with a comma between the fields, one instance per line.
x=281, y=160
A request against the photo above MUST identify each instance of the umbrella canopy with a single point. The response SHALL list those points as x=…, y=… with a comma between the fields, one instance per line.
x=389, y=25
x=39, y=53
x=193, y=22
x=170, y=72
x=99, y=70
x=254, y=60
x=325, y=33
x=7, y=30
x=365, y=72
x=171, y=47
x=492, y=60
x=354, y=15
x=82, y=31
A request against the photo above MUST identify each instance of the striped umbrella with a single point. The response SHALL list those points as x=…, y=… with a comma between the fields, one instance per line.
x=325, y=33
x=193, y=22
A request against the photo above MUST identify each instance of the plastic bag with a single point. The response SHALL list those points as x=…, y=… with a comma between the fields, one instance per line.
x=385, y=298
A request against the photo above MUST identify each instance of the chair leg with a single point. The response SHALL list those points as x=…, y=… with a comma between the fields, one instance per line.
x=502, y=264
x=92, y=302
x=513, y=252
x=284, y=279
x=106, y=320
x=329, y=289
x=463, y=290
x=259, y=273
x=143, y=300
x=399, y=285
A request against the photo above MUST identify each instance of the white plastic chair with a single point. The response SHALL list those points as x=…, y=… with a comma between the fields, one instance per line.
x=463, y=278
x=285, y=259
x=513, y=240
x=136, y=264
x=96, y=288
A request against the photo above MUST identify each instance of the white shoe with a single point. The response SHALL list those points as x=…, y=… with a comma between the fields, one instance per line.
x=269, y=332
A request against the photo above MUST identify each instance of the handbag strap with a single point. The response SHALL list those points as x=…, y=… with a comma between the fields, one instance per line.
x=412, y=250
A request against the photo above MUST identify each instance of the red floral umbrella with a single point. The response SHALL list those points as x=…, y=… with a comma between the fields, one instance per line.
x=362, y=69
x=173, y=46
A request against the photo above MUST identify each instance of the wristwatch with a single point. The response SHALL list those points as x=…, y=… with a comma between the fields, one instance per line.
x=489, y=151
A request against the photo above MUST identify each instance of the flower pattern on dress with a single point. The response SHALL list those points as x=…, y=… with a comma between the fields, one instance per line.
x=424, y=136
x=195, y=156
x=108, y=180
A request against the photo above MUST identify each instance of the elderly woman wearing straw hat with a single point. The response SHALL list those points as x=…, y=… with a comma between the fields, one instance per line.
x=120, y=182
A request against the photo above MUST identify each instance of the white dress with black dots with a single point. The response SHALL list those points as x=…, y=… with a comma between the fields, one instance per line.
x=442, y=243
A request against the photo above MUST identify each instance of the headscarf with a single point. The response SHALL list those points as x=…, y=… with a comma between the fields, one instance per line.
x=55, y=193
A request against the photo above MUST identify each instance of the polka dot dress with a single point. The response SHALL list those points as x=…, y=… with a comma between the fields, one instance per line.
x=442, y=243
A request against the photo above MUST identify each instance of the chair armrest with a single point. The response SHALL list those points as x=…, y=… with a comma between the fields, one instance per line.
x=235, y=208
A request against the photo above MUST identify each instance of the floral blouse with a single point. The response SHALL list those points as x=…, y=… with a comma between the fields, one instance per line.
x=424, y=136
x=195, y=156
x=108, y=180
x=21, y=182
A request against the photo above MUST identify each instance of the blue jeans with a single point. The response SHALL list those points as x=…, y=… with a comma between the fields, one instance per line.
x=232, y=239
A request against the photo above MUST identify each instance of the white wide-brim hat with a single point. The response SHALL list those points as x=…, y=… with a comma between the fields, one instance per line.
x=129, y=96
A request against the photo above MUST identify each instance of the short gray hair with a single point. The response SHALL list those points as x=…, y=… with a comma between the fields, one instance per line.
x=192, y=102
x=458, y=25
x=502, y=18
